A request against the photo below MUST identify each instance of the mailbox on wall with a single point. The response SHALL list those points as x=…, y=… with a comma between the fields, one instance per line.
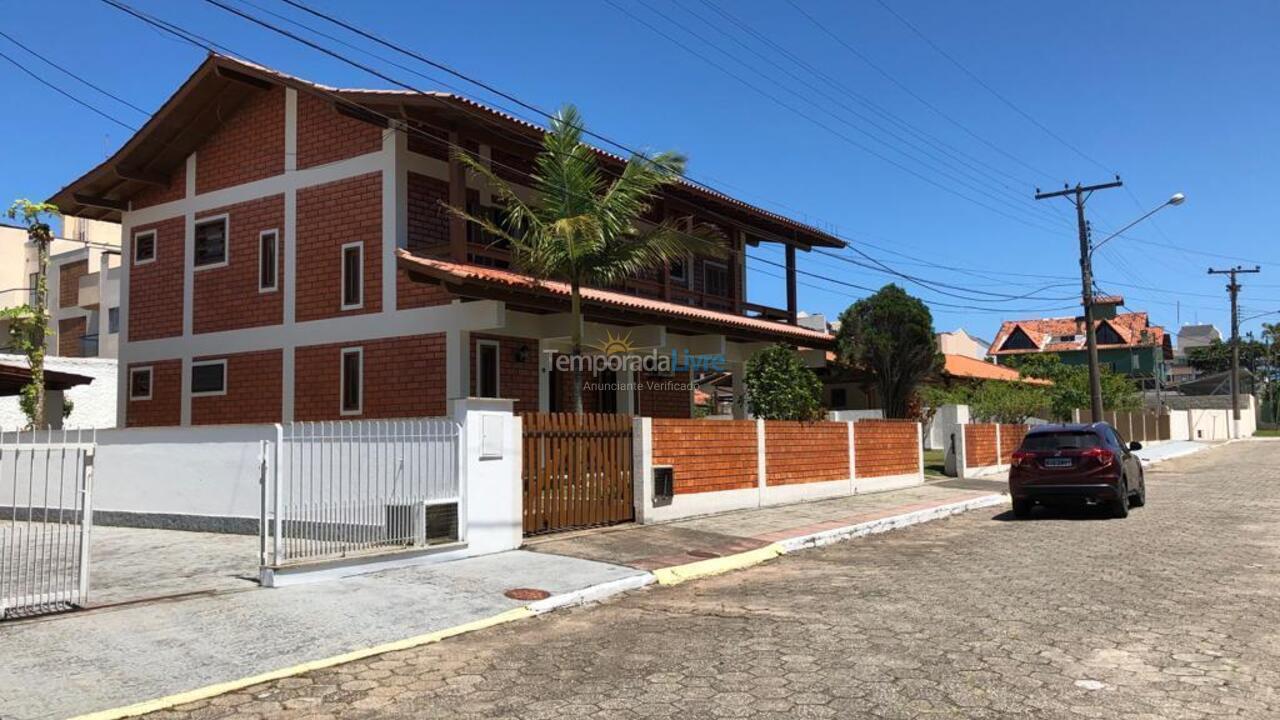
x=664, y=483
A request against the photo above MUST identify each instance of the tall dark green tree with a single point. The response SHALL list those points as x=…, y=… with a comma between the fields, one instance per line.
x=891, y=334
x=781, y=387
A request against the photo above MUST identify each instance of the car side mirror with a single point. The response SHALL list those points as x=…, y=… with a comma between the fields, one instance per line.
x=1135, y=445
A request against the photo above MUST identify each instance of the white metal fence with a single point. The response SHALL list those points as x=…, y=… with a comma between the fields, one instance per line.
x=335, y=489
x=46, y=517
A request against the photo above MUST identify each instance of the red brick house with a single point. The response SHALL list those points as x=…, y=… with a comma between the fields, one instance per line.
x=287, y=257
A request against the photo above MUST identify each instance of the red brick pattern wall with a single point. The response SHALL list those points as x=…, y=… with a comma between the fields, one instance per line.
x=248, y=146
x=69, y=275
x=428, y=220
x=253, y=391
x=155, y=288
x=805, y=452
x=516, y=380
x=1010, y=438
x=980, y=445
x=707, y=455
x=413, y=294
x=885, y=447
x=403, y=377
x=227, y=297
x=330, y=216
x=664, y=396
x=155, y=194
x=324, y=136
x=70, y=332
x=165, y=406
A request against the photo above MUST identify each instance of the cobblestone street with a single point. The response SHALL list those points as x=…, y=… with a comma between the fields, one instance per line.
x=1172, y=613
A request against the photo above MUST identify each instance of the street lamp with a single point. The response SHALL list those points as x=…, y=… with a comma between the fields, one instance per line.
x=1174, y=200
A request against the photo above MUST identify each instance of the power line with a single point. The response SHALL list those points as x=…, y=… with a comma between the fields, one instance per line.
x=842, y=136
x=973, y=76
x=73, y=75
x=66, y=94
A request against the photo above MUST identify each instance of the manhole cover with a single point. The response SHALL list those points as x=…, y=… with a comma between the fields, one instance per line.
x=703, y=553
x=527, y=594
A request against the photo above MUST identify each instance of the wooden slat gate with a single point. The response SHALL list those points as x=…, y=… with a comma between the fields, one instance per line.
x=576, y=471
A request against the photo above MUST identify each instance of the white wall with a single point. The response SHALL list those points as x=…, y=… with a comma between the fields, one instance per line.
x=945, y=422
x=95, y=403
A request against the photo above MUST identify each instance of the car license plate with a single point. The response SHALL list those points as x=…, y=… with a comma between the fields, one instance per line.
x=1058, y=462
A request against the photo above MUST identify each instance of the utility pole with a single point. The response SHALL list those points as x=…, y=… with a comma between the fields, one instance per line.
x=1079, y=195
x=1233, y=288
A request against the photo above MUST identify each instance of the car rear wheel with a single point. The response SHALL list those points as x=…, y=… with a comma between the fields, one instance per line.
x=1139, y=498
x=1120, y=506
x=1022, y=508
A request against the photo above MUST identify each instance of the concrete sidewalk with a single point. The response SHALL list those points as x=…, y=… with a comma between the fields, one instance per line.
x=62, y=666
x=654, y=547
x=1156, y=453
x=111, y=657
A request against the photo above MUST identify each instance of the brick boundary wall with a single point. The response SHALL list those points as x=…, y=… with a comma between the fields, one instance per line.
x=708, y=455
x=805, y=452
x=1010, y=439
x=980, y=445
x=886, y=447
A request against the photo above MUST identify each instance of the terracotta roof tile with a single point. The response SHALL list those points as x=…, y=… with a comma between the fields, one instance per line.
x=963, y=366
x=1049, y=334
x=494, y=276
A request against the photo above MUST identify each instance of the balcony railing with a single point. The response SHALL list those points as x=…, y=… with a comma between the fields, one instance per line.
x=89, y=345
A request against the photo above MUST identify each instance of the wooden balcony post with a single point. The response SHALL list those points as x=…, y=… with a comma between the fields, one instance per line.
x=791, y=285
x=458, y=199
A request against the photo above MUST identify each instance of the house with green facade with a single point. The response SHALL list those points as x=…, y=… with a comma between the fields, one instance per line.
x=1127, y=342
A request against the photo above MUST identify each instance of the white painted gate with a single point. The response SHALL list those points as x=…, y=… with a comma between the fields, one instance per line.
x=335, y=490
x=46, y=519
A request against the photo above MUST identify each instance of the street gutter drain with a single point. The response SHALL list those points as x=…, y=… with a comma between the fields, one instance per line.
x=527, y=594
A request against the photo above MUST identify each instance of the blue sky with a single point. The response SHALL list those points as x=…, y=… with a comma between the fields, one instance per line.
x=854, y=123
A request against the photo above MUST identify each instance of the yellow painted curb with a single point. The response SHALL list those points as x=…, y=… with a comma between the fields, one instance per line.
x=715, y=566
x=220, y=688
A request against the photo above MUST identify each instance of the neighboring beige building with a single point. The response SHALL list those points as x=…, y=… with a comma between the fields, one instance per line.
x=83, y=285
x=959, y=342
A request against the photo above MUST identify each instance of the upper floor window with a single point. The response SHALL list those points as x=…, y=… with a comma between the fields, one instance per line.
x=144, y=247
x=211, y=242
x=113, y=320
x=715, y=278
x=352, y=275
x=678, y=271
x=268, y=260
x=140, y=383
x=209, y=377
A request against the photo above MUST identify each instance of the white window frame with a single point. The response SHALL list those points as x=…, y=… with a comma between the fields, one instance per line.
x=275, y=270
x=497, y=368
x=226, y=241
x=687, y=263
x=342, y=364
x=155, y=246
x=209, y=393
x=151, y=380
x=342, y=273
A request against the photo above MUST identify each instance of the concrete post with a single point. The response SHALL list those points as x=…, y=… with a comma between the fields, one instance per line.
x=761, y=469
x=920, y=446
x=999, y=449
x=642, y=468
x=490, y=509
x=962, y=462
x=853, y=466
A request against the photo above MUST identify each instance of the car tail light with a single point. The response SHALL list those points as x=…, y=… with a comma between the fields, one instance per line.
x=1103, y=455
x=1022, y=457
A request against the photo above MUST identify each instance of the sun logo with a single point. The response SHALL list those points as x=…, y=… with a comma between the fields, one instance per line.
x=614, y=344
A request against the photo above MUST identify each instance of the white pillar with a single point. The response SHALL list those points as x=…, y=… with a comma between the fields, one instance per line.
x=642, y=468
x=491, y=502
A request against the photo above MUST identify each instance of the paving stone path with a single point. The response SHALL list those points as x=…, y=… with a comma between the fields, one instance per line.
x=1172, y=613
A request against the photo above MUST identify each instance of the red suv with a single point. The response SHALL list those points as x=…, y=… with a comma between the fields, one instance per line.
x=1081, y=462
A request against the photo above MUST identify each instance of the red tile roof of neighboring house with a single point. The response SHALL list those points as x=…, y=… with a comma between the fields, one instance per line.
x=963, y=366
x=506, y=279
x=1108, y=299
x=1135, y=330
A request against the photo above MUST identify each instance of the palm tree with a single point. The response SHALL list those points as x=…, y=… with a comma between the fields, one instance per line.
x=582, y=227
